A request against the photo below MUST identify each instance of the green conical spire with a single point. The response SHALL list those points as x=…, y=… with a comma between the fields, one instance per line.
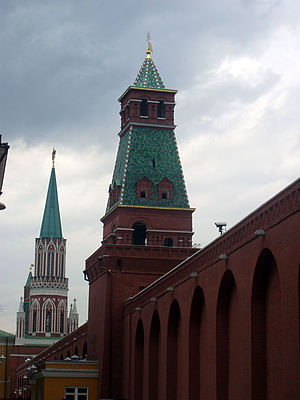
x=148, y=76
x=27, y=284
x=51, y=226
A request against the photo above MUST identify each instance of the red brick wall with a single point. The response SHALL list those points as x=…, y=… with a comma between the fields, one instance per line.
x=110, y=284
x=249, y=313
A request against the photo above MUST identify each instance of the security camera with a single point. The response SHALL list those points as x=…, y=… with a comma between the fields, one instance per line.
x=221, y=226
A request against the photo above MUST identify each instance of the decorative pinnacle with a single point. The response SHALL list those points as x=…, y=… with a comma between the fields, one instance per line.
x=53, y=157
x=31, y=266
x=150, y=49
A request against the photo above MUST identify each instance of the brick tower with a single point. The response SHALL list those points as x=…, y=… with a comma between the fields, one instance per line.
x=42, y=316
x=148, y=221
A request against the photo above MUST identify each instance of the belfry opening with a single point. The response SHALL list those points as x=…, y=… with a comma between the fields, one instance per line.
x=139, y=234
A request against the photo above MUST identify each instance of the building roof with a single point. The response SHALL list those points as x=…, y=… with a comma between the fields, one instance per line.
x=147, y=152
x=27, y=284
x=6, y=334
x=51, y=225
x=21, y=306
x=148, y=76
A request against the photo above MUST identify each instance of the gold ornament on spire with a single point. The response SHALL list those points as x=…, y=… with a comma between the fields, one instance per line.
x=53, y=157
x=31, y=266
x=150, y=48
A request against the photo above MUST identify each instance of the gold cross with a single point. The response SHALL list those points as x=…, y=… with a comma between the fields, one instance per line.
x=150, y=49
x=53, y=157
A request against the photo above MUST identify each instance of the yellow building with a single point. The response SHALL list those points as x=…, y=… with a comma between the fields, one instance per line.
x=70, y=380
x=7, y=341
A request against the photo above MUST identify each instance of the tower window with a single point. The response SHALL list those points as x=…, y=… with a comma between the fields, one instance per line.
x=50, y=263
x=48, y=321
x=144, y=108
x=34, y=322
x=153, y=162
x=119, y=265
x=169, y=242
x=61, y=325
x=143, y=188
x=161, y=113
x=165, y=189
x=139, y=234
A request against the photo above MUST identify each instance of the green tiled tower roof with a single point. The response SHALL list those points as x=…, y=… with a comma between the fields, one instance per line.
x=148, y=76
x=51, y=226
x=152, y=153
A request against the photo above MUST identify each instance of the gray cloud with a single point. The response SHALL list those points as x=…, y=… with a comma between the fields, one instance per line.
x=63, y=66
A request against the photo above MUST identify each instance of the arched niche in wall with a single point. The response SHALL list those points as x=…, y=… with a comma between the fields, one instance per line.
x=154, y=349
x=227, y=332
x=139, y=361
x=266, y=323
x=172, y=350
x=196, y=347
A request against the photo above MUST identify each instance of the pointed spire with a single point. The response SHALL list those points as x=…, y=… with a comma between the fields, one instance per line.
x=148, y=76
x=27, y=284
x=75, y=307
x=51, y=225
x=21, y=308
x=71, y=310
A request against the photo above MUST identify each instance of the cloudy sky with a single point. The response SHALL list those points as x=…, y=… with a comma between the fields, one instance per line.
x=63, y=65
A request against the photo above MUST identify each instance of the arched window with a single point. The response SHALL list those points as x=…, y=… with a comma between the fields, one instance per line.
x=61, y=322
x=144, y=108
x=169, y=242
x=48, y=321
x=119, y=265
x=139, y=234
x=50, y=263
x=161, y=113
x=61, y=271
x=34, y=321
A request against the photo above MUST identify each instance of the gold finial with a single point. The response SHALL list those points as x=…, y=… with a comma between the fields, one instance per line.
x=53, y=157
x=31, y=266
x=150, y=49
